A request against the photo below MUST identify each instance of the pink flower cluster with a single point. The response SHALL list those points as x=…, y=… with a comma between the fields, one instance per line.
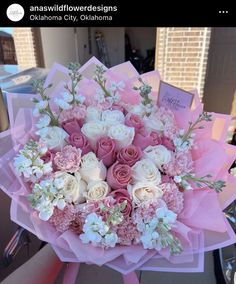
x=68, y=160
x=181, y=163
x=173, y=198
x=119, y=164
x=105, y=183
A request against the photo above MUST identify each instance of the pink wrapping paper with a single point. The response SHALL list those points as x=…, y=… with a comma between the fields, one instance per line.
x=208, y=232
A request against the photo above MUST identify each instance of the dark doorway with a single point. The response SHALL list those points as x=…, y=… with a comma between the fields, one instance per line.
x=220, y=85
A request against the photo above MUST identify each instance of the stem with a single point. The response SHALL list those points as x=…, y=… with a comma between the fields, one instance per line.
x=216, y=185
x=202, y=117
x=102, y=84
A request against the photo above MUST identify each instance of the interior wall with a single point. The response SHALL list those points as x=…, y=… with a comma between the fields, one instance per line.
x=83, y=45
x=68, y=44
x=142, y=38
x=58, y=45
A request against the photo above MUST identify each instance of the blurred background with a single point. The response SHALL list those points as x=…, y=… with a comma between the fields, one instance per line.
x=191, y=58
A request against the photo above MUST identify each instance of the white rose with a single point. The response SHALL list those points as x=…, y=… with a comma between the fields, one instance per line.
x=91, y=168
x=93, y=114
x=53, y=137
x=93, y=131
x=122, y=134
x=153, y=123
x=96, y=190
x=112, y=117
x=72, y=187
x=158, y=154
x=146, y=171
x=144, y=192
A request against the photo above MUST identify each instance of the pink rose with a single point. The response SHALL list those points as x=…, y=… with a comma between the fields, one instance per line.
x=118, y=176
x=106, y=150
x=167, y=143
x=71, y=126
x=121, y=195
x=68, y=160
x=119, y=107
x=47, y=157
x=129, y=155
x=134, y=120
x=143, y=141
x=155, y=138
x=78, y=140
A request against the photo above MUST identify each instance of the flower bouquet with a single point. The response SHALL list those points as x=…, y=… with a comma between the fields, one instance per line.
x=108, y=171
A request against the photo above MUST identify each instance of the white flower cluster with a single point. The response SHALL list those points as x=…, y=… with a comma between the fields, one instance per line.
x=113, y=90
x=151, y=237
x=97, y=232
x=146, y=176
x=44, y=197
x=40, y=106
x=29, y=163
x=63, y=188
x=53, y=136
x=107, y=123
x=142, y=110
x=67, y=99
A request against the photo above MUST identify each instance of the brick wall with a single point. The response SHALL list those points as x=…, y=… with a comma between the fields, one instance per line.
x=181, y=56
x=26, y=54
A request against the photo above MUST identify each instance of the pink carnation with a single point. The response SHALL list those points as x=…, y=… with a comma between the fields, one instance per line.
x=167, y=118
x=77, y=112
x=181, y=162
x=171, y=131
x=147, y=211
x=76, y=225
x=173, y=197
x=95, y=207
x=127, y=232
x=61, y=219
x=68, y=160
